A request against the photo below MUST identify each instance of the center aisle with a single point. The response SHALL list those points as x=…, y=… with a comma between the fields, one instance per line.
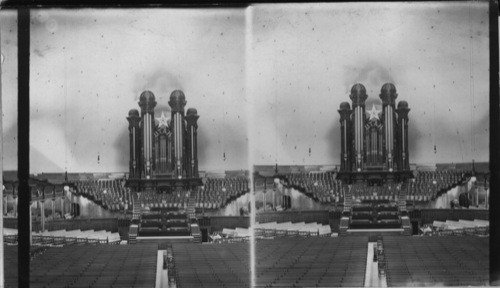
x=161, y=274
x=372, y=278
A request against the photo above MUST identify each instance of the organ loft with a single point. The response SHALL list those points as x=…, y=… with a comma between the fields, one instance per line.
x=163, y=151
x=374, y=143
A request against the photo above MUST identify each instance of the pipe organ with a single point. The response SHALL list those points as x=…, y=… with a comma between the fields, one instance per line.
x=374, y=139
x=162, y=147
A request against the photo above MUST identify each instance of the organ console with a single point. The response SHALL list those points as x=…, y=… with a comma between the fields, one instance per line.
x=374, y=143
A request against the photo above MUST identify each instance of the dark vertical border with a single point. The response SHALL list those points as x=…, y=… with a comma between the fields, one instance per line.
x=494, y=146
x=23, y=142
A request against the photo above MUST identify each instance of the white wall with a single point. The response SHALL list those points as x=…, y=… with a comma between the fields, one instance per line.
x=88, y=68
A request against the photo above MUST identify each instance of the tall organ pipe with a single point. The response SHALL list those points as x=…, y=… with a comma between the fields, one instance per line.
x=147, y=103
x=388, y=96
x=177, y=103
x=134, y=119
x=192, y=151
x=402, y=112
x=358, y=97
x=345, y=114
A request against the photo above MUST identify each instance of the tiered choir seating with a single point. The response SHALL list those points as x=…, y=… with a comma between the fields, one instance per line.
x=95, y=266
x=424, y=189
x=220, y=191
x=362, y=191
x=284, y=262
x=436, y=261
x=322, y=187
x=152, y=199
x=110, y=194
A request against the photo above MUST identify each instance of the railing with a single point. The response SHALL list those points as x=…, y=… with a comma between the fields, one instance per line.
x=219, y=222
x=108, y=224
x=48, y=195
x=62, y=240
x=430, y=215
x=318, y=216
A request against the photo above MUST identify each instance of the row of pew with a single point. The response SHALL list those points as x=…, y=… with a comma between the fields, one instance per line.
x=283, y=262
x=95, y=266
x=436, y=261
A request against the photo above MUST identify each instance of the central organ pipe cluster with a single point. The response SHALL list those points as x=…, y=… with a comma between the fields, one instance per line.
x=160, y=147
x=378, y=141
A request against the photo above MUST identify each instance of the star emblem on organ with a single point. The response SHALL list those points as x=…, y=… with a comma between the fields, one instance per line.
x=373, y=113
x=162, y=120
